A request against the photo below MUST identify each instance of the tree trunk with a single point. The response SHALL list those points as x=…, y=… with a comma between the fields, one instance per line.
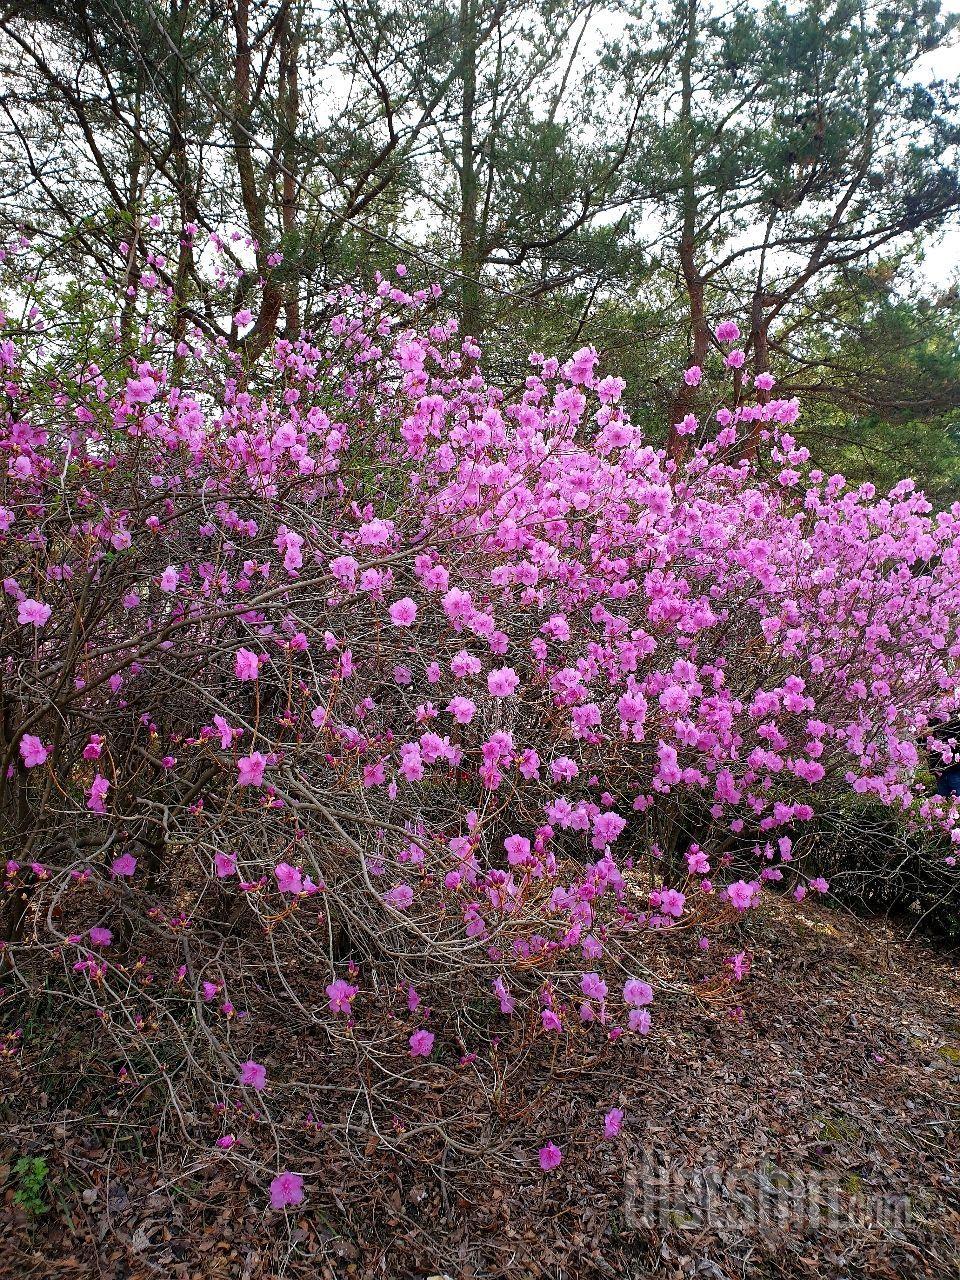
x=290, y=98
x=693, y=280
x=254, y=203
x=469, y=247
x=186, y=195
x=760, y=345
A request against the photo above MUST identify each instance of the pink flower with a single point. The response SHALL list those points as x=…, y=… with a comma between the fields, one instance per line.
x=289, y=879
x=246, y=664
x=742, y=895
x=739, y=965
x=253, y=1074
x=225, y=731
x=462, y=709
x=169, y=579
x=32, y=611
x=403, y=613
x=33, y=750
x=639, y=1021
x=141, y=390
x=692, y=376
x=593, y=986
x=502, y=681
x=399, y=897
x=340, y=993
x=606, y=828
x=97, y=795
x=241, y=320
x=226, y=1142
x=764, y=381
x=612, y=1122
x=697, y=861
x=101, y=937
x=518, y=850
x=507, y=1001
x=550, y=1020
x=550, y=1156
x=125, y=865
x=672, y=902
x=286, y=1189
x=465, y=664
x=225, y=864
x=735, y=360
x=636, y=992
x=727, y=331
x=421, y=1044
x=374, y=775
x=250, y=769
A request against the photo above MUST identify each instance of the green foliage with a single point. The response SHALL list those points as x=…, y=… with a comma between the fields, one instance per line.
x=31, y=1174
x=571, y=172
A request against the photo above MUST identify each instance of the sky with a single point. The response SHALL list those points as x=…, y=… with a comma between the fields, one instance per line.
x=942, y=259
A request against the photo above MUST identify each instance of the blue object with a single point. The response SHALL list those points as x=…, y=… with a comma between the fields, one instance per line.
x=948, y=784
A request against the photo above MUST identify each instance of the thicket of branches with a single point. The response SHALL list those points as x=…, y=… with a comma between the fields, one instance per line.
x=374, y=704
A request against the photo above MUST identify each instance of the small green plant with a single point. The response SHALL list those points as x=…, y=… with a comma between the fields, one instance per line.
x=31, y=1175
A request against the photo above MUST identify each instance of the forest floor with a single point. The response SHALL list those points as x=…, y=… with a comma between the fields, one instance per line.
x=811, y=1134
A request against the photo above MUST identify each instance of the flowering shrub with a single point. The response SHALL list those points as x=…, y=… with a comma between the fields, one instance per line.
x=428, y=714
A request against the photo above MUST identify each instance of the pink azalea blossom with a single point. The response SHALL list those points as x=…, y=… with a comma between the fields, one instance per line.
x=289, y=879
x=33, y=750
x=739, y=965
x=639, y=1020
x=502, y=682
x=612, y=1122
x=250, y=769
x=97, y=795
x=286, y=1189
x=550, y=1156
x=742, y=895
x=33, y=613
x=462, y=709
x=125, y=865
x=246, y=664
x=400, y=897
x=727, y=331
x=340, y=993
x=421, y=1044
x=403, y=613
x=253, y=1074
x=637, y=992
x=593, y=986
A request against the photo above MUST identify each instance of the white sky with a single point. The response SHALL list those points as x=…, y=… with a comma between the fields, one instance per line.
x=942, y=259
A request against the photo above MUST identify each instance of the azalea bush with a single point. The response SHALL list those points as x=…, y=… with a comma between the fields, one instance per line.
x=355, y=695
